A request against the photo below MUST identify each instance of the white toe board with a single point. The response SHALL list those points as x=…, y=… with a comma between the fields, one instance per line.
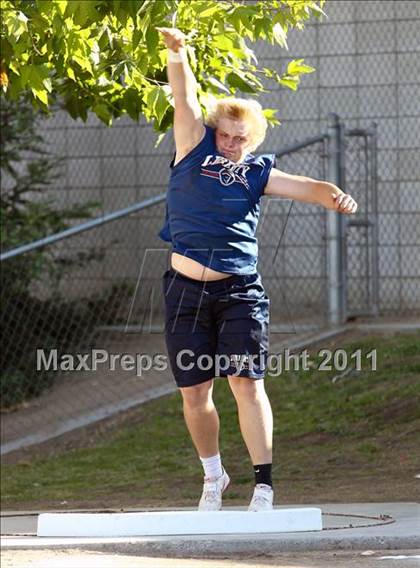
x=164, y=523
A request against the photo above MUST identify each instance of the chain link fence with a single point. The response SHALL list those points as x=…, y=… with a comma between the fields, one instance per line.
x=292, y=239
x=367, y=59
x=104, y=296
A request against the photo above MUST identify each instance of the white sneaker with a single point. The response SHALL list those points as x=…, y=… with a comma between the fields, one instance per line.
x=262, y=499
x=211, y=498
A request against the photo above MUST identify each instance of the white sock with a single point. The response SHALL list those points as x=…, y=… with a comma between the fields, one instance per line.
x=212, y=466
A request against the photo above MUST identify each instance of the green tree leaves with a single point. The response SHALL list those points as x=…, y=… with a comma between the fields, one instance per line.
x=106, y=56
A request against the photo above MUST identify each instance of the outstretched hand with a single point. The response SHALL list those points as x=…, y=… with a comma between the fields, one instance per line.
x=173, y=38
x=344, y=203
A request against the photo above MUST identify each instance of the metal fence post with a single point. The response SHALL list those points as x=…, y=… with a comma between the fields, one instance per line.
x=372, y=141
x=335, y=226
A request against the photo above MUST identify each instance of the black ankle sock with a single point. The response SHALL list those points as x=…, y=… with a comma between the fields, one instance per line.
x=263, y=474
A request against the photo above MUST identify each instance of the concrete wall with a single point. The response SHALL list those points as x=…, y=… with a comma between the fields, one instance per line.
x=366, y=56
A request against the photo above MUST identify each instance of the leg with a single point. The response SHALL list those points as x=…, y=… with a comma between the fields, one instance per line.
x=189, y=327
x=203, y=424
x=201, y=418
x=243, y=321
x=255, y=417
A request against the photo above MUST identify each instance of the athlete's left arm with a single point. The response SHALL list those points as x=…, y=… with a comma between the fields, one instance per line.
x=309, y=190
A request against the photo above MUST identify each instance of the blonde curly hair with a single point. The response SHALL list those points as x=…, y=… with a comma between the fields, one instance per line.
x=248, y=110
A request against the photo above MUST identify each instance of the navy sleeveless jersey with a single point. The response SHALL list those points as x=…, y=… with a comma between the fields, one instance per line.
x=213, y=205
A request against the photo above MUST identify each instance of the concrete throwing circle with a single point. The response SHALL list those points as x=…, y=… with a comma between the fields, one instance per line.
x=336, y=521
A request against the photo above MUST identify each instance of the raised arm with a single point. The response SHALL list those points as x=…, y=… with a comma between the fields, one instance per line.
x=188, y=120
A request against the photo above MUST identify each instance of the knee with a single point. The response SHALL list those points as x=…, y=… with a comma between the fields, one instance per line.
x=198, y=396
x=247, y=390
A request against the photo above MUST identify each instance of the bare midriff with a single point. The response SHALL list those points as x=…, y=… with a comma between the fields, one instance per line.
x=195, y=270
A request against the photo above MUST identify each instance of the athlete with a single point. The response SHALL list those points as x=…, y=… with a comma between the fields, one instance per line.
x=217, y=311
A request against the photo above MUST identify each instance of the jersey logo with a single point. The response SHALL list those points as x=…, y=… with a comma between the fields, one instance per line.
x=226, y=177
x=228, y=174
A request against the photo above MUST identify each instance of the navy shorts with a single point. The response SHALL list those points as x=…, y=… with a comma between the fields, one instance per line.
x=217, y=328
